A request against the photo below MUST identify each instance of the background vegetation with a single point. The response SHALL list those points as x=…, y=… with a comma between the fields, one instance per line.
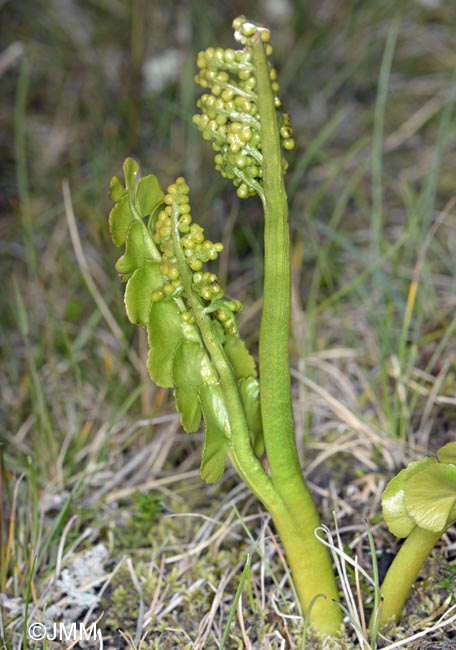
x=95, y=469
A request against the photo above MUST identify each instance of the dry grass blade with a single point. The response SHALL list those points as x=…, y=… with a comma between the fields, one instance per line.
x=442, y=622
x=85, y=271
x=340, y=410
x=209, y=541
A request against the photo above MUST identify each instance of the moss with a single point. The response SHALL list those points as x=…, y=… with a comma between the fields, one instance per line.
x=182, y=592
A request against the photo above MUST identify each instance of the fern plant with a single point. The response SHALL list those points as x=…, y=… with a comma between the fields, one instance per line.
x=195, y=347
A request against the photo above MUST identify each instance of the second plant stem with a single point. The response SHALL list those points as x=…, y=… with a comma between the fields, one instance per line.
x=403, y=572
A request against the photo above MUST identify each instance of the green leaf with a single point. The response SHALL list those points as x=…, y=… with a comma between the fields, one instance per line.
x=131, y=169
x=189, y=408
x=165, y=336
x=395, y=512
x=187, y=364
x=149, y=195
x=139, y=290
x=430, y=497
x=217, y=433
x=250, y=395
x=240, y=358
x=187, y=378
x=137, y=249
x=447, y=453
x=116, y=190
x=120, y=219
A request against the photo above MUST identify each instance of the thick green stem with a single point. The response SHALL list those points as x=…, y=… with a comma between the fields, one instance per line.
x=403, y=572
x=276, y=404
x=309, y=559
x=310, y=565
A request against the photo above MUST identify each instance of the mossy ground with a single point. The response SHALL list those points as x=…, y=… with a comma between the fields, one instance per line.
x=95, y=468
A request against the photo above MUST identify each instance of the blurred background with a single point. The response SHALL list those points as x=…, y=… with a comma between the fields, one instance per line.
x=370, y=87
x=370, y=90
